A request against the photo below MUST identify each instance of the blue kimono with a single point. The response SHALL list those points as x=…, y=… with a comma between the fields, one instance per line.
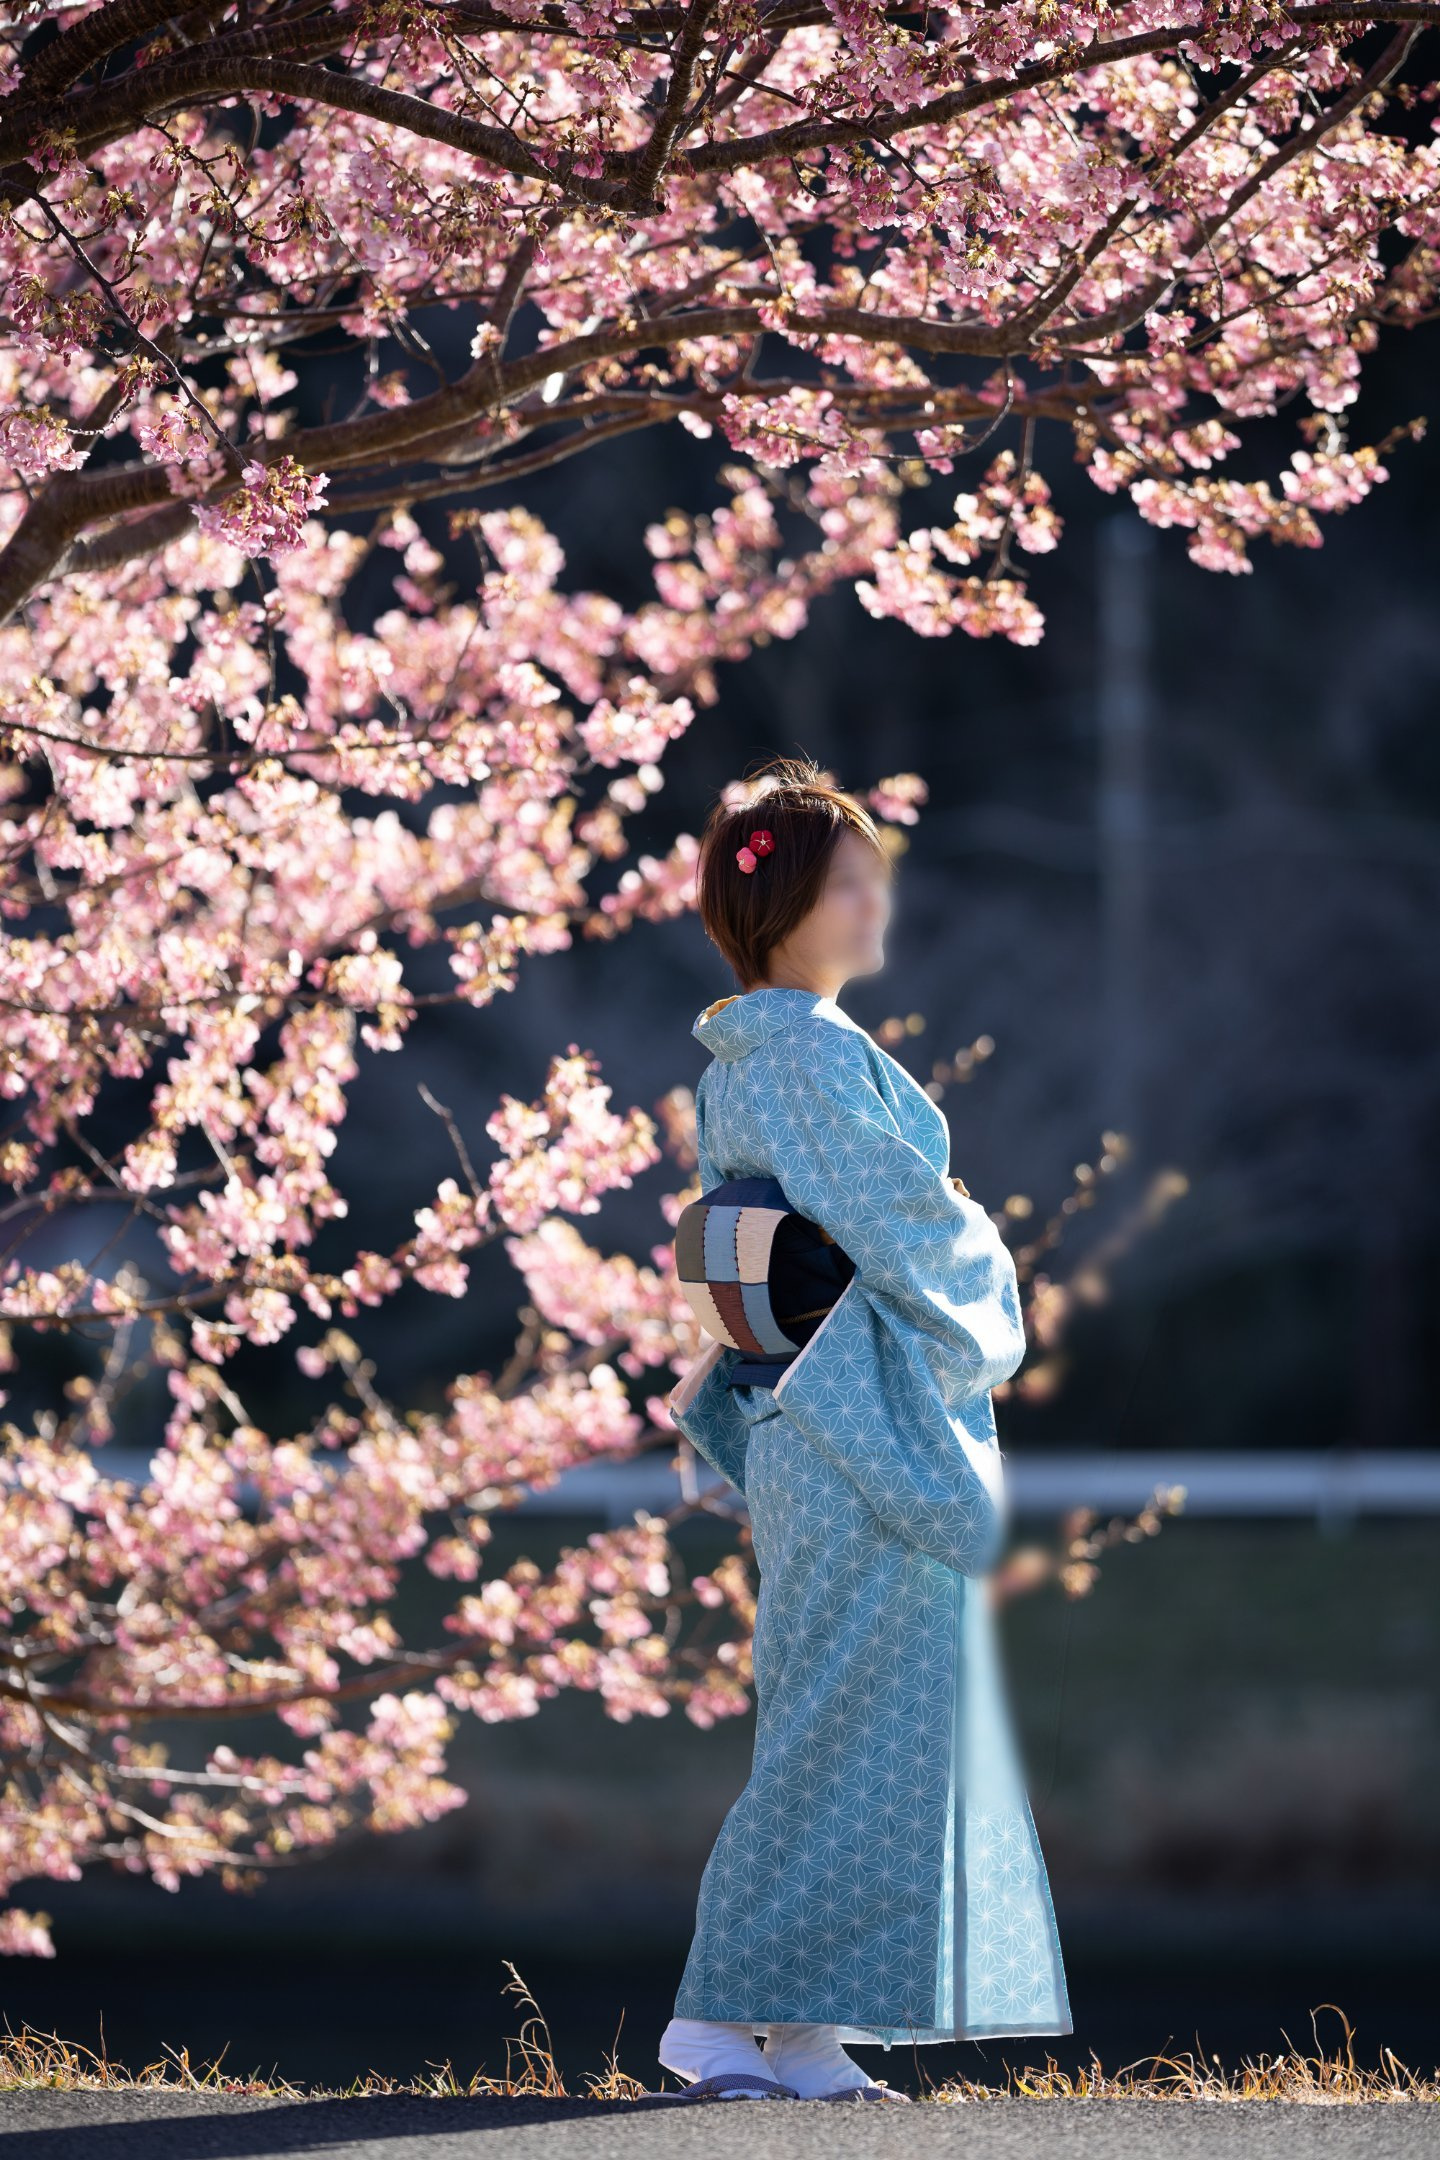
x=880, y=1872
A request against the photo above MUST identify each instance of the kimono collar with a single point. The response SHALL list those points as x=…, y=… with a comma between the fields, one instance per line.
x=740, y=1023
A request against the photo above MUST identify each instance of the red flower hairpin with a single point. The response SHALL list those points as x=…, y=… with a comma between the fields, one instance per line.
x=761, y=843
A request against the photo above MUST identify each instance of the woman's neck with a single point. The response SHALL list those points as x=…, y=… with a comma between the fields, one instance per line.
x=795, y=979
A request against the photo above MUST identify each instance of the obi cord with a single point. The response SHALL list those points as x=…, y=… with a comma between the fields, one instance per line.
x=880, y=1871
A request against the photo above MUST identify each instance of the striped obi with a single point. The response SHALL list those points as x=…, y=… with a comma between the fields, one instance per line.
x=756, y=1275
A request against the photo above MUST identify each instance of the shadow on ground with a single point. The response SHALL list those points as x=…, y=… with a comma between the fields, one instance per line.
x=204, y=2126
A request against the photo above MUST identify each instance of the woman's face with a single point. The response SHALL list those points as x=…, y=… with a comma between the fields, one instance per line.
x=844, y=933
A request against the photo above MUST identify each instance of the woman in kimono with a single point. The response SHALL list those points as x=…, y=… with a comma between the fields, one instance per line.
x=879, y=1878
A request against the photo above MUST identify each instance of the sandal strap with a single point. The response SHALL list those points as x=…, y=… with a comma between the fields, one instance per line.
x=708, y=2088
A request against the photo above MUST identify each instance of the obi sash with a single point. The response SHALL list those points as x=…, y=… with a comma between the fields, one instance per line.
x=757, y=1276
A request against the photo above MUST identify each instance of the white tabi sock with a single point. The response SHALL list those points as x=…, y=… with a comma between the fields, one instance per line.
x=810, y=2058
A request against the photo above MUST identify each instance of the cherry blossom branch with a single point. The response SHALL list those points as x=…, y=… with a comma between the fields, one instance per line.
x=252, y=802
x=884, y=126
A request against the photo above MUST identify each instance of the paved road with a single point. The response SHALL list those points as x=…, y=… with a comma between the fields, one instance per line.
x=200, y=2126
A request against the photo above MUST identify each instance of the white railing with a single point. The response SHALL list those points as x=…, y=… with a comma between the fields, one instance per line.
x=1332, y=1486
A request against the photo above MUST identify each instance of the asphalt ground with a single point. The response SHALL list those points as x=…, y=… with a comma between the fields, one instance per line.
x=181, y=2125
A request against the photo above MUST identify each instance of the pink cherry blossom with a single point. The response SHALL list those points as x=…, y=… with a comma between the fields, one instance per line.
x=267, y=516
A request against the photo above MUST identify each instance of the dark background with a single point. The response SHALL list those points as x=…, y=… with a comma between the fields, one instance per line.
x=1233, y=1741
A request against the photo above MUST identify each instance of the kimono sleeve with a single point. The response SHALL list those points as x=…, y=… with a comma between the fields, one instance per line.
x=894, y=1385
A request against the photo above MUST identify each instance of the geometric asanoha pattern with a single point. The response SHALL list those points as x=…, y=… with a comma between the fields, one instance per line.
x=880, y=1871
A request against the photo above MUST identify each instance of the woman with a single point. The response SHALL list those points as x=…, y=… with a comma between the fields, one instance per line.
x=879, y=1878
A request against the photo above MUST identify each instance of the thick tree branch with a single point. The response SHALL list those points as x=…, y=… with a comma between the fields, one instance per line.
x=94, y=38
x=652, y=159
x=153, y=94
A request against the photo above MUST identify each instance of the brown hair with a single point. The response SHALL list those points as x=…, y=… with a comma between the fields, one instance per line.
x=747, y=914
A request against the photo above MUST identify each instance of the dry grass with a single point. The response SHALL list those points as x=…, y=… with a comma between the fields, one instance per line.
x=31, y=2061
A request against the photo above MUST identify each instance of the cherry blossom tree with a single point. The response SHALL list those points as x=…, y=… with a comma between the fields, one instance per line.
x=860, y=250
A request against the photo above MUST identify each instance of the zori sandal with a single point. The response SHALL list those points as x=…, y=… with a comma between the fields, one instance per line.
x=723, y=2084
